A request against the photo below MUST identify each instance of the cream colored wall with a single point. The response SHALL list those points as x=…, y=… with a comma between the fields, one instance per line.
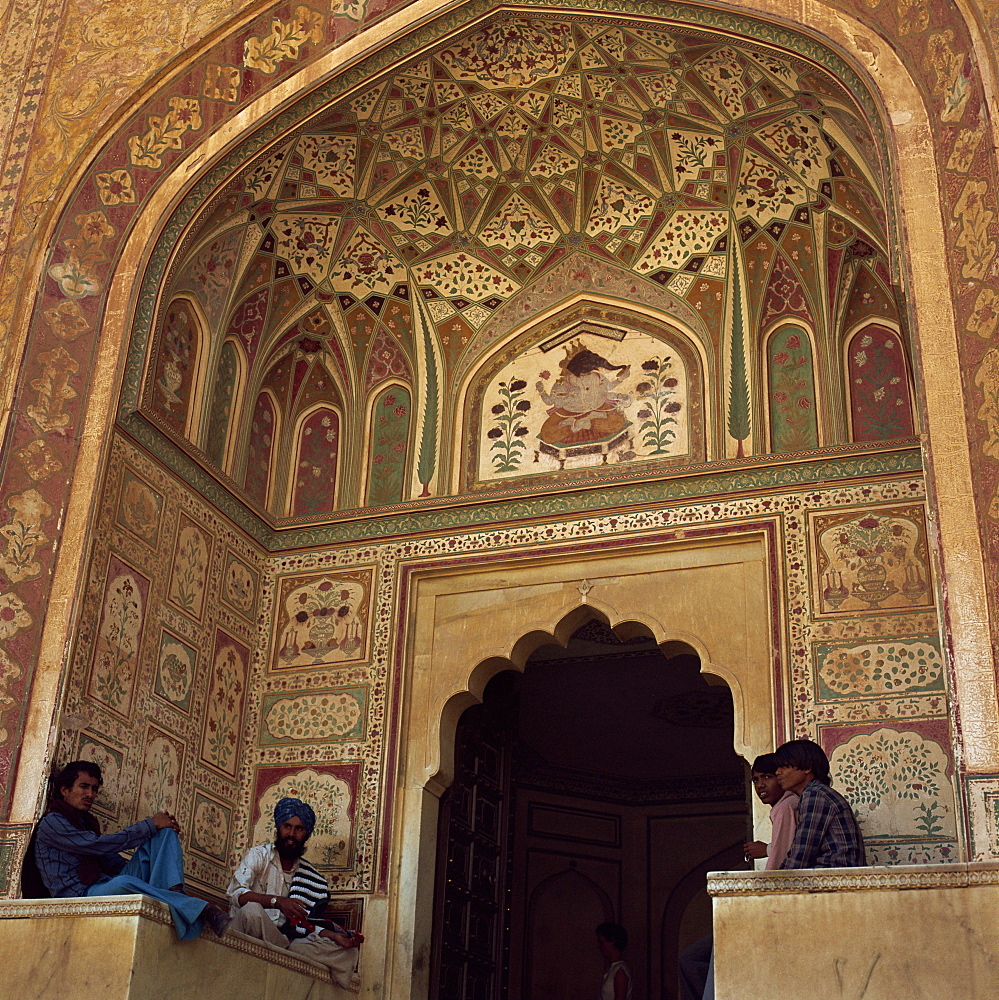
x=465, y=625
x=907, y=932
x=126, y=948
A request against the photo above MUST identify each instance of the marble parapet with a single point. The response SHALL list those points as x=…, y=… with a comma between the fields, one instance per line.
x=879, y=933
x=125, y=948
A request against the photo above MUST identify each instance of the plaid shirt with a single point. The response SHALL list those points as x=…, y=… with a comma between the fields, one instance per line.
x=827, y=835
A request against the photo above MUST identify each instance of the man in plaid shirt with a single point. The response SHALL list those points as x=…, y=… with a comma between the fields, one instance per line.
x=827, y=835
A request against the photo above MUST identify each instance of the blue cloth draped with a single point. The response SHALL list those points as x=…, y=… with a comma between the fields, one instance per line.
x=154, y=869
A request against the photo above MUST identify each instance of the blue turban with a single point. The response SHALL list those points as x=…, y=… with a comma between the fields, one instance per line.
x=287, y=808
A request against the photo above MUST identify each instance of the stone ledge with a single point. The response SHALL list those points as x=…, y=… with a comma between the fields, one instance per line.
x=947, y=876
x=136, y=909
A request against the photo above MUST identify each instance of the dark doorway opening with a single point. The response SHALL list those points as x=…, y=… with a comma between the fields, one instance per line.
x=600, y=784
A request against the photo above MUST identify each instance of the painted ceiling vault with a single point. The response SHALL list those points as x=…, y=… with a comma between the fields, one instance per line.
x=551, y=249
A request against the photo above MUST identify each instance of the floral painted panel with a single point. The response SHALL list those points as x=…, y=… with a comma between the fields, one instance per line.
x=332, y=715
x=589, y=401
x=884, y=668
x=331, y=790
x=239, y=584
x=175, y=671
x=111, y=761
x=224, y=709
x=316, y=466
x=322, y=618
x=116, y=650
x=791, y=380
x=389, y=438
x=139, y=508
x=871, y=562
x=258, y=462
x=880, y=402
x=189, y=574
x=159, y=783
x=211, y=827
x=899, y=785
x=220, y=409
x=169, y=396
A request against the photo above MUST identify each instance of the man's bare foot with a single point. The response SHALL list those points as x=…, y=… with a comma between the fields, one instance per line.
x=215, y=919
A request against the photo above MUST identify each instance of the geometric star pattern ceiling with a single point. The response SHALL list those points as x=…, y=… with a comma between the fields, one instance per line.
x=469, y=177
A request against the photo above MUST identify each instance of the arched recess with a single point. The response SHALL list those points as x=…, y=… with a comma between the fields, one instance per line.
x=675, y=910
x=879, y=396
x=222, y=401
x=388, y=451
x=316, y=461
x=562, y=911
x=792, y=390
x=536, y=404
x=932, y=322
x=176, y=372
x=265, y=431
x=469, y=622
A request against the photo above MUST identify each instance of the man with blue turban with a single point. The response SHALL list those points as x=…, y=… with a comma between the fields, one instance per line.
x=277, y=896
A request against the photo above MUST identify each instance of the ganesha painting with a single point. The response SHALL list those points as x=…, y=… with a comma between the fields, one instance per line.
x=586, y=401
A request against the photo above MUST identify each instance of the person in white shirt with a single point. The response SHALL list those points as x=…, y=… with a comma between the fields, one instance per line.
x=612, y=939
x=277, y=896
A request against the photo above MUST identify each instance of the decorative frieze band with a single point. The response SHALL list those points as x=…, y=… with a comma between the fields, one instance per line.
x=946, y=876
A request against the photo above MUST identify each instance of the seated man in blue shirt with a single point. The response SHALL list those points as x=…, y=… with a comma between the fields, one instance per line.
x=827, y=834
x=75, y=859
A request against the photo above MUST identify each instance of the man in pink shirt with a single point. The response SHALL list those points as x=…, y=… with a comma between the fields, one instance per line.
x=783, y=813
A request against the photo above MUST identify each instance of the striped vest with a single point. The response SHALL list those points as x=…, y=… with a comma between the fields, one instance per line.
x=308, y=887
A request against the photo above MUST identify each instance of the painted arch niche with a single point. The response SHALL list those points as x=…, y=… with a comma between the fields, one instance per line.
x=478, y=186
x=593, y=388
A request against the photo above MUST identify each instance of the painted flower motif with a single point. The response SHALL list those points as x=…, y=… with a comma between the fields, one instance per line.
x=222, y=82
x=985, y=316
x=116, y=188
x=38, y=459
x=72, y=281
x=13, y=615
x=913, y=16
x=67, y=320
x=95, y=228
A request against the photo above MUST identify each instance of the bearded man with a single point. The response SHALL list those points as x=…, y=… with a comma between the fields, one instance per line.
x=277, y=896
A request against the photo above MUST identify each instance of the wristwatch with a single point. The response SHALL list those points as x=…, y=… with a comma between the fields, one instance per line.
x=272, y=903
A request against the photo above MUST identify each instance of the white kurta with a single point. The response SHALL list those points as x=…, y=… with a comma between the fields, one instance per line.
x=260, y=871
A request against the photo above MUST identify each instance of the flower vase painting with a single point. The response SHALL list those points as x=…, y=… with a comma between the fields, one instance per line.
x=872, y=563
x=586, y=401
x=322, y=619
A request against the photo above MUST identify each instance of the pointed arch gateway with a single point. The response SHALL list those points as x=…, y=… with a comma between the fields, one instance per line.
x=470, y=622
x=598, y=785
